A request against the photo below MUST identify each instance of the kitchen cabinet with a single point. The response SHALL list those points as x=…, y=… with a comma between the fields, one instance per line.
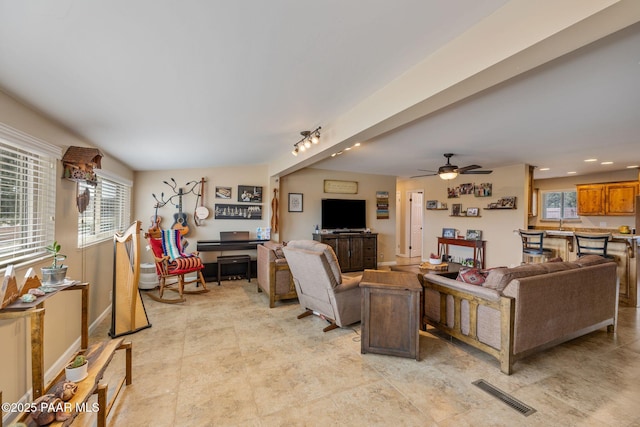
x=355, y=252
x=616, y=198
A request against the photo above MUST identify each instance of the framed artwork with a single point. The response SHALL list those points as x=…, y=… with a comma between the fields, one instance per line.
x=343, y=187
x=456, y=209
x=237, y=211
x=449, y=233
x=483, y=190
x=507, y=202
x=472, y=211
x=223, y=192
x=249, y=194
x=453, y=192
x=466, y=188
x=432, y=204
x=474, y=235
x=295, y=202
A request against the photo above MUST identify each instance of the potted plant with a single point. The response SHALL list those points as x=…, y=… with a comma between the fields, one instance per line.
x=77, y=370
x=56, y=273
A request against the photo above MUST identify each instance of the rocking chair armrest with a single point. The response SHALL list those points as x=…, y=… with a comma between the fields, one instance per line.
x=164, y=258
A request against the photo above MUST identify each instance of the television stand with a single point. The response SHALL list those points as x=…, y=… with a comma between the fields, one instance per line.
x=355, y=251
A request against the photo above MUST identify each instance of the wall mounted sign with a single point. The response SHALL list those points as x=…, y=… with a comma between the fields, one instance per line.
x=342, y=187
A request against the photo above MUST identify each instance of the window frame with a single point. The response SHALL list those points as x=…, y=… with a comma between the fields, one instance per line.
x=35, y=176
x=563, y=207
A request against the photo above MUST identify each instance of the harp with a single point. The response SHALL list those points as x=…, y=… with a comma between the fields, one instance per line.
x=128, y=314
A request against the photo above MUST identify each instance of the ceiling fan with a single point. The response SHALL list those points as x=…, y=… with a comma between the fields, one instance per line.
x=450, y=171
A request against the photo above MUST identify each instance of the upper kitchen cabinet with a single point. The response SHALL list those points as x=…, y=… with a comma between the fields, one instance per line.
x=615, y=198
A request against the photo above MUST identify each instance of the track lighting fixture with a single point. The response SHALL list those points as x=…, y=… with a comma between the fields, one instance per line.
x=308, y=138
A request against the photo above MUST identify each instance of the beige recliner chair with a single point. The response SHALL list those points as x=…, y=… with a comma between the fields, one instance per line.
x=321, y=287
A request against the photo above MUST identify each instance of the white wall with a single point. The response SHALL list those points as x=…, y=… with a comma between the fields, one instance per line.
x=151, y=182
x=93, y=264
x=503, y=247
x=310, y=182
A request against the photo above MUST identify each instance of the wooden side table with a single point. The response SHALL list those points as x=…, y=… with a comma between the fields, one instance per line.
x=390, y=313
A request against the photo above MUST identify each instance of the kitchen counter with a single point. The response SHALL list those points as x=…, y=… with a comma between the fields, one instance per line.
x=624, y=247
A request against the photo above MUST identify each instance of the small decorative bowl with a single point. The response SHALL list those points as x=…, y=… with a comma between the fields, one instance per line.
x=435, y=261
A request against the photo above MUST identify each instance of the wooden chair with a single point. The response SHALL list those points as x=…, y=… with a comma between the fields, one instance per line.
x=173, y=263
x=592, y=244
x=533, y=249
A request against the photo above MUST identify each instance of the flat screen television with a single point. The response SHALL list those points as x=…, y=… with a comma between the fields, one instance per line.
x=340, y=214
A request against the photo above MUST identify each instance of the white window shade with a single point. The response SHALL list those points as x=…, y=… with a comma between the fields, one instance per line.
x=27, y=197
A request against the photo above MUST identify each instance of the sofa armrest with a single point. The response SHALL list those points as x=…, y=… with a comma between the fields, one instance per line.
x=475, y=301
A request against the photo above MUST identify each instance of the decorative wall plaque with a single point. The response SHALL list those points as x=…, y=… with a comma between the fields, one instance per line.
x=342, y=187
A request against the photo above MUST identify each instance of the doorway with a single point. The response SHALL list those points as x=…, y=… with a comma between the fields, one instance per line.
x=414, y=208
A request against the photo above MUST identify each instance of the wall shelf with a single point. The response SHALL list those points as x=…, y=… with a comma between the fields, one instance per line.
x=499, y=209
x=437, y=209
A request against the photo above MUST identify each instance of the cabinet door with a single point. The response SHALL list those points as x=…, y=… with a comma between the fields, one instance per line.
x=356, y=256
x=590, y=199
x=342, y=253
x=621, y=198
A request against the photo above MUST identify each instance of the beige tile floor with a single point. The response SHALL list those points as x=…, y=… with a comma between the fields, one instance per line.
x=225, y=359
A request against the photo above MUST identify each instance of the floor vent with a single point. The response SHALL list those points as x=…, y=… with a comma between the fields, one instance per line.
x=504, y=397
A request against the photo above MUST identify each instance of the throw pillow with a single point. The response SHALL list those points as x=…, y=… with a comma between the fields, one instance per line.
x=472, y=276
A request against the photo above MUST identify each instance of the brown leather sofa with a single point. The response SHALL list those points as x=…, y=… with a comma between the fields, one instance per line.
x=274, y=277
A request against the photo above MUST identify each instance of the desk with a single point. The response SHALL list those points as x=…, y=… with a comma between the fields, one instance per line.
x=477, y=245
x=390, y=313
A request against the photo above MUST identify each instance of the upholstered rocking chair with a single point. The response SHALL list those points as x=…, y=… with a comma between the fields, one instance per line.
x=173, y=263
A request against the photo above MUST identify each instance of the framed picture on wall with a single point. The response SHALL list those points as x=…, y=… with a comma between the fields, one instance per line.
x=295, y=202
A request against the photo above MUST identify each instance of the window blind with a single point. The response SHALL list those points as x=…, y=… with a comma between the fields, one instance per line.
x=27, y=197
x=109, y=209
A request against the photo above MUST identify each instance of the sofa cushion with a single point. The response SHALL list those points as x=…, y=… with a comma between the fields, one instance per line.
x=586, y=260
x=498, y=278
x=552, y=267
x=471, y=275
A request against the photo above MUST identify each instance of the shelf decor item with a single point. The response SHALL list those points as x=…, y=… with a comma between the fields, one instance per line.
x=474, y=235
x=449, y=233
x=76, y=371
x=56, y=273
x=472, y=211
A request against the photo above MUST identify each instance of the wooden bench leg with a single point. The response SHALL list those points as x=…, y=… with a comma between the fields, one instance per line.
x=102, y=405
x=128, y=347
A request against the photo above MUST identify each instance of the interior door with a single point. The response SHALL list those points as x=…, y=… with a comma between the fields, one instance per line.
x=415, y=234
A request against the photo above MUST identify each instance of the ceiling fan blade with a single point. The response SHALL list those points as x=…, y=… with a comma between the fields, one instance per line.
x=468, y=168
x=420, y=176
x=474, y=172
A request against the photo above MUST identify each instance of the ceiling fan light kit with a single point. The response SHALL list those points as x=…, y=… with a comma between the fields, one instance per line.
x=450, y=171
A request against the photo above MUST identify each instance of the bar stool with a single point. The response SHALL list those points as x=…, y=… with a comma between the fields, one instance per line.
x=533, y=246
x=593, y=244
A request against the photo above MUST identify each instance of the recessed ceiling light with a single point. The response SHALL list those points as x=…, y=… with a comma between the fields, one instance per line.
x=357, y=144
x=543, y=169
x=347, y=149
x=591, y=160
x=633, y=166
x=606, y=163
x=572, y=173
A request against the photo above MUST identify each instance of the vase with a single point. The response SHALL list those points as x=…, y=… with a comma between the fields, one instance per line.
x=53, y=276
x=77, y=374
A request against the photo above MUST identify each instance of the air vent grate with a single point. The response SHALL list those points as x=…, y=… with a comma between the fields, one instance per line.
x=504, y=397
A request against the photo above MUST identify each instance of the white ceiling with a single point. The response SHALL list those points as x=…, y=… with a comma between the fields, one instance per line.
x=163, y=84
